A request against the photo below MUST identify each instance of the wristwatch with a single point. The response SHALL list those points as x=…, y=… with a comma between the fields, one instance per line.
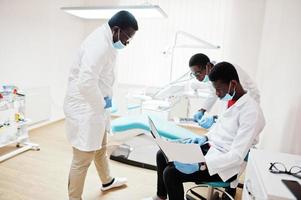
x=202, y=166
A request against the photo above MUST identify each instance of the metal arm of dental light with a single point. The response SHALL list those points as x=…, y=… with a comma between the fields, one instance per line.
x=166, y=97
x=206, y=45
x=202, y=44
x=167, y=90
x=173, y=88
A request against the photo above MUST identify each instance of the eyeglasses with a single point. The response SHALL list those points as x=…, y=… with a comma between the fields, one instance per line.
x=279, y=168
x=195, y=74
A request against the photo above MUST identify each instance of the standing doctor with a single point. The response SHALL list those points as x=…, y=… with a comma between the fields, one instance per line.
x=88, y=98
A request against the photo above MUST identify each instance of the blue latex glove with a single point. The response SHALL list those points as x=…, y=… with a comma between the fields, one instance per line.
x=186, y=168
x=206, y=122
x=199, y=140
x=108, y=101
x=198, y=116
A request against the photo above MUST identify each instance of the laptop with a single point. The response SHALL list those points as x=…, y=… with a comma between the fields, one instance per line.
x=185, y=153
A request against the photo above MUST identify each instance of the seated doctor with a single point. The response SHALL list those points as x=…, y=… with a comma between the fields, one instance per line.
x=225, y=145
x=200, y=67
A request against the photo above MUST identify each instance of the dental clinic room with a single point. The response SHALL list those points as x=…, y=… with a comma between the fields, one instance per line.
x=150, y=100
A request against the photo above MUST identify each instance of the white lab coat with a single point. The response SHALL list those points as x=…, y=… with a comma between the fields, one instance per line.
x=91, y=79
x=235, y=132
x=247, y=83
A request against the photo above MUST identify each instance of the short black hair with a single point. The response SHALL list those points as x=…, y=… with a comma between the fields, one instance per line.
x=124, y=20
x=199, y=59
x=224, y=72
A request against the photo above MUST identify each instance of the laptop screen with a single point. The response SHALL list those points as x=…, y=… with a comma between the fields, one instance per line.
x=153, y=128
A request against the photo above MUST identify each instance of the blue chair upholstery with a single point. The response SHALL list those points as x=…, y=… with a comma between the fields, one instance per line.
x=217, y=184
x=165, y=128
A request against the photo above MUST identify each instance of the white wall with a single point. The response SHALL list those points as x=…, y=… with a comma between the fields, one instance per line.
x=243, y=22
x=279, y=75
x=38, y=42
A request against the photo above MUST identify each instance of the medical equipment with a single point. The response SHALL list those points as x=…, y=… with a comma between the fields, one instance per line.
x=200, y=44
x=185, y=120
x=13, y=124
x=171, y=100
x=168, y=99
x=174, y=88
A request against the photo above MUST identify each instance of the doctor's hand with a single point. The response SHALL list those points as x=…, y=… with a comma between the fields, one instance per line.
x=186, y=168
x=108, y=102
x=206, y=122
x=198, y=140
x=198, y=116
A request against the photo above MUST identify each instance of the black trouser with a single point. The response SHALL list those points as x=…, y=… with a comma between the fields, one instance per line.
x=170, y=180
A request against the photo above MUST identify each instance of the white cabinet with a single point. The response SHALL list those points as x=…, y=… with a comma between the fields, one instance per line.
x=13, y=124
x=260, y=183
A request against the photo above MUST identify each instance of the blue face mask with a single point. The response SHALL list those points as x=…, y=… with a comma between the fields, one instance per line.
x=118, y=44
x=228, y=97
x=206, y=79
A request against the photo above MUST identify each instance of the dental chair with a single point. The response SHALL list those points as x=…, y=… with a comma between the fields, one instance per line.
x=136, y=145
x=139, y=124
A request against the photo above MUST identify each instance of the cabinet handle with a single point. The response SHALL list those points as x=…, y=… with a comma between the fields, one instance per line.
x=249, y=189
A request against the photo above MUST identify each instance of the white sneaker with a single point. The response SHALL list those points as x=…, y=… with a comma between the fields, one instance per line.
x=117, y=183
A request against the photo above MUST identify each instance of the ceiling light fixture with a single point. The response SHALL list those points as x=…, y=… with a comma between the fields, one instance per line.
x=106, y=12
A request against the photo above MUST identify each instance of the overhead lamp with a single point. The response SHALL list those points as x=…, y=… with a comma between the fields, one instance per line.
x=198, y=44
x=106, y=12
